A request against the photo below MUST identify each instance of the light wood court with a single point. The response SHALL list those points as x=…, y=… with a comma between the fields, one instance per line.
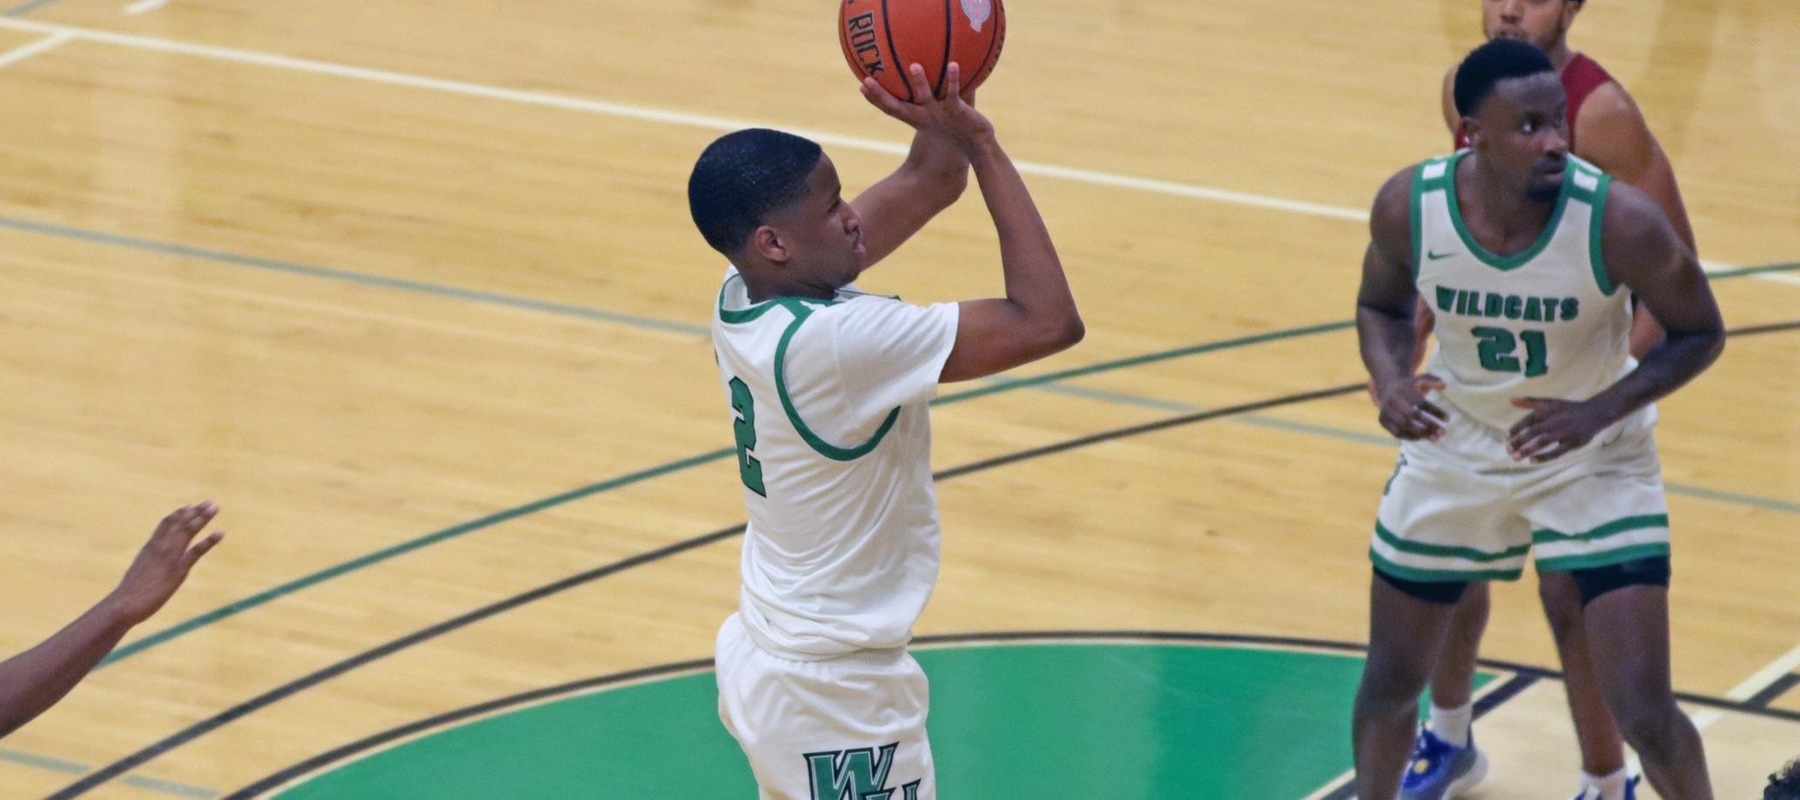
x=410, y=289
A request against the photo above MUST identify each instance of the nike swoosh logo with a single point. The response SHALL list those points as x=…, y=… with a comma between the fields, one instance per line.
x=1434, y=255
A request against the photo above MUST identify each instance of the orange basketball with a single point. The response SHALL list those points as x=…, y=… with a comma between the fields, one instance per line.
x=881, y=38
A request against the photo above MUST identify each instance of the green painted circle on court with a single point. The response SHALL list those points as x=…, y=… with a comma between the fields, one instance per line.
x=1053, y=720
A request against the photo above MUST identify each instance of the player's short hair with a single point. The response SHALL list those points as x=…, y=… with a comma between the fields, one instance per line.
x=743, y=177
x=1491, y=63
x=1784, y=785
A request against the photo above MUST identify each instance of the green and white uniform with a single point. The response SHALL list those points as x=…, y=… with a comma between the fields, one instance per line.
x=828, y=401
x=1546, y=322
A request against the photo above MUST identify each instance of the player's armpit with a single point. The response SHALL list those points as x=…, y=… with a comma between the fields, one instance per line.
x=1640, y=251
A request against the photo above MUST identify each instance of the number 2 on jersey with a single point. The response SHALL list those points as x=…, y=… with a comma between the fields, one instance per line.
x=1497, y=346
x=749, y=469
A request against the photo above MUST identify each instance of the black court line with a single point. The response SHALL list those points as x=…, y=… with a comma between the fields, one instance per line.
x=1523, y=677
x=1775, y=690
x=205, y=726
x=201, y=728
x=1514, y=686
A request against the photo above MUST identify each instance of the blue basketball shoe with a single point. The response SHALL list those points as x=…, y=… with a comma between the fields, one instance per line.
x=1591, y=793
x=1440, y=770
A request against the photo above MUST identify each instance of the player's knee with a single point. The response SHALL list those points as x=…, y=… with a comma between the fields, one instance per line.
x=1652, y=725
x=1594, y=582
x=1393, y=680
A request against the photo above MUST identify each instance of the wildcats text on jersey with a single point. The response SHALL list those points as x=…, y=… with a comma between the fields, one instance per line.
x=1493, y=305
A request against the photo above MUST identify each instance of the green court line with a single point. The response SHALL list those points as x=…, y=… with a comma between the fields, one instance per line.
x=349, y=276
x=1045, y=380
x=25, y=8
x=1739, y=272
x=44, y=762
x=1001, y=385
x=1009, y=384
x=36, y=761
x=240, y=606
x=188, y=626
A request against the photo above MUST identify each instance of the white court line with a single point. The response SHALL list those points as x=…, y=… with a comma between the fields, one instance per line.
x=142, y=6
x=23, y=52
x=722, y=124
x=1763, y=679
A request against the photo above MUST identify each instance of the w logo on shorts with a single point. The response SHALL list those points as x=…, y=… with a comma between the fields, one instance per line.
x=859, y=774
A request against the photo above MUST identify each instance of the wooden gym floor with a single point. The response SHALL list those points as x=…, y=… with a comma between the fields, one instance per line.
x=410, y=290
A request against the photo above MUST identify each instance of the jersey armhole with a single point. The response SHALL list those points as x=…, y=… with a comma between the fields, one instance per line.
x=1596, y=239
x=813, y=439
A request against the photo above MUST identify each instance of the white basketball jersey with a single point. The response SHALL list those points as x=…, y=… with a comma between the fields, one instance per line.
x=828, y=402
x=1545, y=322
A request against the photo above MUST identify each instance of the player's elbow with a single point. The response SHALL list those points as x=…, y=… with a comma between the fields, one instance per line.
x=1061, y=333
x=950, y=183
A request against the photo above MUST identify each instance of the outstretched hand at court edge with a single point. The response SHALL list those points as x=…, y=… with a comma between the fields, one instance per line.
x=164, y=562
x=31, y=682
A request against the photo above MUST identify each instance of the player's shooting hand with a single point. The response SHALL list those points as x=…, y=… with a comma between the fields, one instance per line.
x=1406, y=413
x=164, y=562
x=951, y=115
x=1553, y=427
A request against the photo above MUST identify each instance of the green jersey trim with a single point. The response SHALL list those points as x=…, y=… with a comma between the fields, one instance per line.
x=1443, y=575
x=1520, y=258
x=1617, y=526
x=813, y=440
x=1604, y=559
x=738, y=316
x=1420, y=185
x=1596, y=253
x=1447, y=551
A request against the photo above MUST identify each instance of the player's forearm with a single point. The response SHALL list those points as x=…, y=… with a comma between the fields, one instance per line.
x=1033, y=272
x=35, y=679
x=1387, y=340
x=1667, y=367
x=936, y=170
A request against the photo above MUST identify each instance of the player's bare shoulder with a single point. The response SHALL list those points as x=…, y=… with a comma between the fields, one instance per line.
x=1632, y=215
x=1390, y=220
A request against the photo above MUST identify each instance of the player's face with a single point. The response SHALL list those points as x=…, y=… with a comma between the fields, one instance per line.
x=821, y=231
x=1540, y=22
x=1519, y=132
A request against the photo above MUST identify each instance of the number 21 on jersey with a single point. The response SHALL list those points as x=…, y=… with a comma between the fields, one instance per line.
x=744, y=426
x=1498, y=346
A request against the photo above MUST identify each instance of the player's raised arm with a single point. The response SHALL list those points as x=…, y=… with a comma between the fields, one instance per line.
x=1037, y=317
x=34, y=680
x=933, y=176
x=1385, y=305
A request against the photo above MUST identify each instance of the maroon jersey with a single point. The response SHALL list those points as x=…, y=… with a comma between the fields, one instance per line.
x=1580, y=77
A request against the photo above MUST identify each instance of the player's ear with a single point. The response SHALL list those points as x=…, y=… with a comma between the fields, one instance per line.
x=767, y=242
x=1467, y=129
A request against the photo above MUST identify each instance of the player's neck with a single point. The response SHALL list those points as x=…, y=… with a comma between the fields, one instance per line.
x=760, y=289
x=1560, y=54
x=1490, y=207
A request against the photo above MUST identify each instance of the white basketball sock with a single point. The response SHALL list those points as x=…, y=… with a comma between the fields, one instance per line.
x=1452, y=725
x=1610, y=787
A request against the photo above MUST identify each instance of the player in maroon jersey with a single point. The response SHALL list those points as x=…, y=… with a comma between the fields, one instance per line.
x=1606, y=128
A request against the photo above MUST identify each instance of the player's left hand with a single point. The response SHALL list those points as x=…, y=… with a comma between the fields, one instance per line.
x=1553, y=427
